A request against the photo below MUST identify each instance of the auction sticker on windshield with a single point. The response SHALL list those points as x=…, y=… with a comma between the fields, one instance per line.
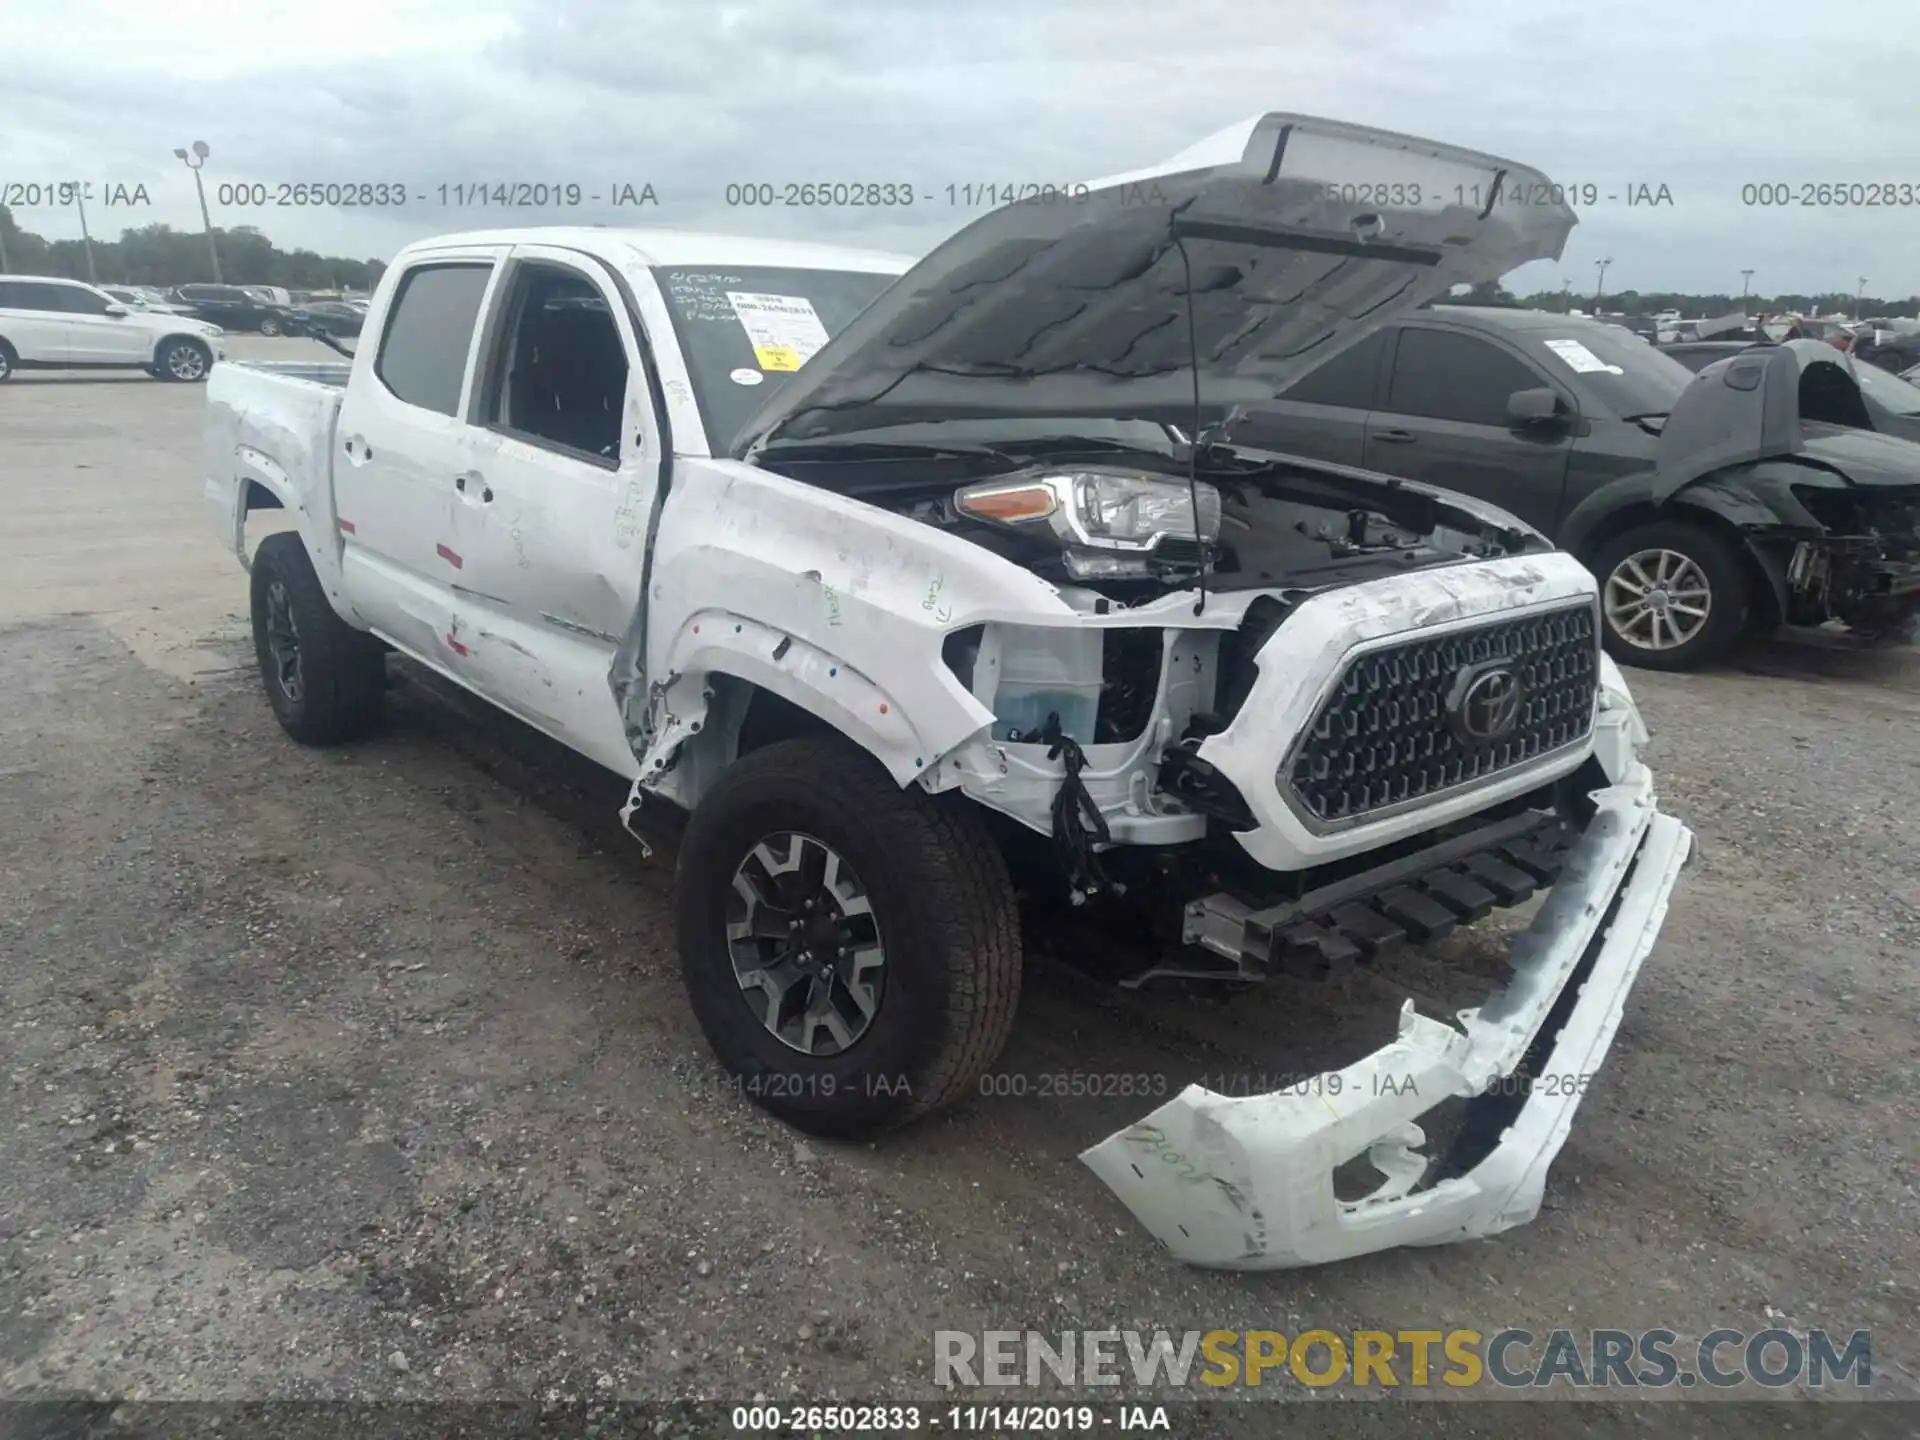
x=1581, y=360
x=784, y=330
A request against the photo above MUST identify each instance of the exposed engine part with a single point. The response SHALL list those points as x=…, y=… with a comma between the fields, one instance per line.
x=1198, y=786
x=1078, y=826
x=1420, y=897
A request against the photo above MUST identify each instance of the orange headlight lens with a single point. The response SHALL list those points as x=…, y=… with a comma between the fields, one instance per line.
x=1008, y=504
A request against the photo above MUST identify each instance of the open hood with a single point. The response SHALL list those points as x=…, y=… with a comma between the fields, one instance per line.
x=1772, y=402
x=1296, y=237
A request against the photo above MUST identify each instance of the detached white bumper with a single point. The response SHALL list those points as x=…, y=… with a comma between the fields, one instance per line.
x=1247, y=1184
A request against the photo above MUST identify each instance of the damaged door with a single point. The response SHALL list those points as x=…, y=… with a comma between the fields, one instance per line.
x=394, y=449
x=557, y=473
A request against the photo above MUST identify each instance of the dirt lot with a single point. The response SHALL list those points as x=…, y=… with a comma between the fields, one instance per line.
x=368, y=1074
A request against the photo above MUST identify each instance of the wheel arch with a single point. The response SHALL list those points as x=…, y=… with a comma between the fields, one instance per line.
x=736, y=686
x=1717, y=509
x=170, y=336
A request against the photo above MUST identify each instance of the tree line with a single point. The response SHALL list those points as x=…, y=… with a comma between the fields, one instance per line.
x=1692, y=307
x=161, y=255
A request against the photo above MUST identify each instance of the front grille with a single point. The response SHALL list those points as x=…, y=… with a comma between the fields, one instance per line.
x=1383, y=738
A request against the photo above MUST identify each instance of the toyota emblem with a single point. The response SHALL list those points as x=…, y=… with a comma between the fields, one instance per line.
x=1484, y=702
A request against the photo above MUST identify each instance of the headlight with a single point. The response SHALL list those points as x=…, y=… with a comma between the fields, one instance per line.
x=1123, y=513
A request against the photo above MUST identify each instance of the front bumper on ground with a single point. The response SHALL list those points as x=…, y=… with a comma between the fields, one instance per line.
x=1248, y=1183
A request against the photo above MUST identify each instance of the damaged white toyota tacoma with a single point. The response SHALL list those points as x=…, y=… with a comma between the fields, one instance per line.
x=931, y=592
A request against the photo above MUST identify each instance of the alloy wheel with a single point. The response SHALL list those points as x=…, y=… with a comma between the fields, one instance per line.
x=185, y=362
x=805, y=945
x=283, y=641
x=1658, y=599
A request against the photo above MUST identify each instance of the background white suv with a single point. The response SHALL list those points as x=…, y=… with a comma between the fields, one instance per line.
x=47, y=323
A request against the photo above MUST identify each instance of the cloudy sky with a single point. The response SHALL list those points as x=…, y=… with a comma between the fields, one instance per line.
x=1700, y=97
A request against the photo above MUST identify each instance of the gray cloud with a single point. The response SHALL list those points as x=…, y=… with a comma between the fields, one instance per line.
x=1700, y=98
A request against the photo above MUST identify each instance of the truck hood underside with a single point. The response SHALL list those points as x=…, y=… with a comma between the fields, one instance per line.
x=1265, y=250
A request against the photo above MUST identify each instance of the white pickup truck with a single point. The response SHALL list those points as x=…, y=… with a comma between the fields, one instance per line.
x=934, y=591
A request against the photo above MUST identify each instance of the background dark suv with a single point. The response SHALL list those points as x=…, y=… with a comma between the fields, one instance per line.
x=231, y=308
x=1564, y=422
x=1434, y=397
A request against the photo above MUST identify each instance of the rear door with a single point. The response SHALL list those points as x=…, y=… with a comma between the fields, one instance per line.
x=1444, y=422
x=398, y=451
x=562, y=461
x=33, y=320
x=1323, y=415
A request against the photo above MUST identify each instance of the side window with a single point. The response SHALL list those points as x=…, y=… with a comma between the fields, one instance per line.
x=558, y=371
x=423, y=352
x=1444, y=375
x=13, y=295
x=49, y=298
x=1346, y=380
x=76, y=301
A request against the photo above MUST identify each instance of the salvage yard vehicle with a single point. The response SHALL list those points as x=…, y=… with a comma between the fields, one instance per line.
x=914, y=582
x=234, y=307
x=47, y=323
x=1609, y=446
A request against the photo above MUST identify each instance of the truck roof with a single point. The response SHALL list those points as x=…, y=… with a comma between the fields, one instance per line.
x=676, y=247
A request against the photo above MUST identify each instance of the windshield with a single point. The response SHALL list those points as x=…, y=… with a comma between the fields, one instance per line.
x=741, y=350
x=1888, y=391
x=1646, y=383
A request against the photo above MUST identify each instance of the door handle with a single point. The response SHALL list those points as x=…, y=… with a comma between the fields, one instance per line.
x=460, y=483
x=1394, y=437
x=357, y=449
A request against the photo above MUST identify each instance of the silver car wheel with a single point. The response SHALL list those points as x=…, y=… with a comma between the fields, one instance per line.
x=1658, y=599
x=186, y=362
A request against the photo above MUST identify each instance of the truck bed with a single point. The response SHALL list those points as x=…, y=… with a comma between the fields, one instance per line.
x=272, y=424
x=332, y=373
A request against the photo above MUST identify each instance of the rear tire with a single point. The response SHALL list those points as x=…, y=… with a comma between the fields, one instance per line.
x=326, y=681
x=8, y=361
x=900, y=925
x=270, y=325
x=1673, y=596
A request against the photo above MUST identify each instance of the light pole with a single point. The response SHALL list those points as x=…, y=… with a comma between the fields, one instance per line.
x=1746, y=279
x=1858, y=296
x=80, y=202
x=1600, y=285
x=193, y=162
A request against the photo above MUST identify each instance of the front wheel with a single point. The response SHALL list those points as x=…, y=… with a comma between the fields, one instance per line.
x=270, y=325
x=851, y=948
x=6, y=361
x=184, y=360
x=1673, y=596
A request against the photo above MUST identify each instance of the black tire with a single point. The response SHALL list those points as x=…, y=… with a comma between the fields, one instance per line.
x=9, y=361
x=946, y=924
x=270, y=325
x=183, y=360
x=339, y=678
x=1714, y=562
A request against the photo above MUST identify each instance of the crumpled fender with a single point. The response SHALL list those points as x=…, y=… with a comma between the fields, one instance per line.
x=838, y=606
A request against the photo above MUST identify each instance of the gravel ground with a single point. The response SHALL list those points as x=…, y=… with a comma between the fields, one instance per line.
x=367, y=1073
